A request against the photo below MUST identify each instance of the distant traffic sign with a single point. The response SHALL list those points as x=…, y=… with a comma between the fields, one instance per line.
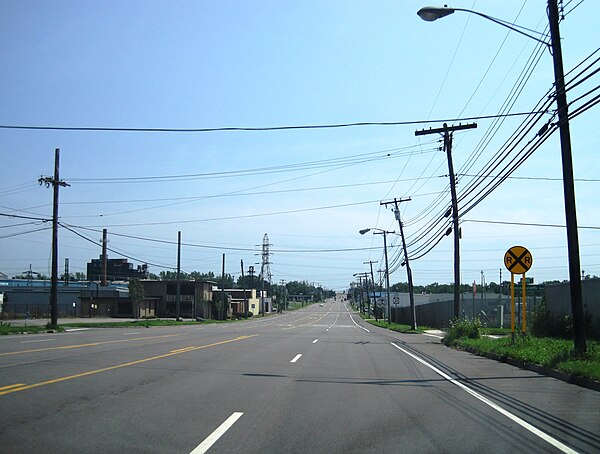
x=518, y=260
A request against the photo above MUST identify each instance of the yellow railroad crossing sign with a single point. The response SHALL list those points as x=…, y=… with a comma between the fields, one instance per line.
x=518, y=260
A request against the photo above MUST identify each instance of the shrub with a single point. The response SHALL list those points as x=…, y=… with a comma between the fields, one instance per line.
x=242, y=315
x=465, y=327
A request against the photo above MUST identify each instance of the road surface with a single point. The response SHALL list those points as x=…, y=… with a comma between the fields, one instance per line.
x=315, y=380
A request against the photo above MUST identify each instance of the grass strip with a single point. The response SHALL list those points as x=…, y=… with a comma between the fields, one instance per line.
x=551, y=353
x=399, y=327
x=6, y=329
x=140, y=323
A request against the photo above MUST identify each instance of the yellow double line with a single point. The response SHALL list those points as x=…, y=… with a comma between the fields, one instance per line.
x=23, y=387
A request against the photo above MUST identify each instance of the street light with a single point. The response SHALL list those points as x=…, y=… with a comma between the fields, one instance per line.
x=387, y=274
x=431, y=14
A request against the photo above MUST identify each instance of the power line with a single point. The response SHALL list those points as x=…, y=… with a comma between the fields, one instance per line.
x=258, y=129
x=530, y=224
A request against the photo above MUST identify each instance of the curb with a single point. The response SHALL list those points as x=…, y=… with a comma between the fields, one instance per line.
x=563, y=376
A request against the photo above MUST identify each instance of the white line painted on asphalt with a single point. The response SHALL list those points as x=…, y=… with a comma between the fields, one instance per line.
x=70, y=330
x=37, y=340
x=131, y=334
x=315, y=341
x=432, y=335
x=358, y=324
x=296, y=358
x=534, y=430
x=218, y=433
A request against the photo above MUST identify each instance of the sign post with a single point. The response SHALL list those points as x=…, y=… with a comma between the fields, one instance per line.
x=518, y=260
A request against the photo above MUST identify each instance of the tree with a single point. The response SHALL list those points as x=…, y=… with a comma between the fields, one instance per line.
x=136, y=295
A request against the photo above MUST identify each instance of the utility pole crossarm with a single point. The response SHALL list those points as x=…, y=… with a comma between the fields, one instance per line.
x=445, y=128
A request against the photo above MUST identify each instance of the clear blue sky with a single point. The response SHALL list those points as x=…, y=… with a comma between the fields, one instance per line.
x=201, y=64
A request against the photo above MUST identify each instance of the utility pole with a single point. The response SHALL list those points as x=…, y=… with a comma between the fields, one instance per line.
x=66, y=272
x=447, y=134
x=387, y=274
x=178, y=285
x=370, y=262
x=104, y=258
x=411, y=292
x=284, y=294
x=56, y=183
x=362, y=301
x=223, y=290
x=568, y=182
x=244, y=289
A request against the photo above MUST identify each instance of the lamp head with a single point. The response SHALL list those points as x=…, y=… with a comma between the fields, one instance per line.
x=363, y=231
x=431, y=13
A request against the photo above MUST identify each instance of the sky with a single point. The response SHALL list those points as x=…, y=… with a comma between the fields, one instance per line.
x=126, y=69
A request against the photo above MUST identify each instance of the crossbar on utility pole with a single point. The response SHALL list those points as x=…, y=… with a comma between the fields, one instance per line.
x=411, y=292
x=56, y=183
x=447, y=131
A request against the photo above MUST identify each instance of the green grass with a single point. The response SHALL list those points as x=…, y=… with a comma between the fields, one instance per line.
x=547, y=352
x=140, y=323
x=399, y=327
x=6, y=328
x=495, y=331
x=294, y=306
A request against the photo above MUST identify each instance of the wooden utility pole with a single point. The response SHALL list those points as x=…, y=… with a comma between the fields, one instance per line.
x=370, y=262
x=104, y=258
x=223, y=317
x=244, y=289
x=178, y=284
x=447, y=131
x=56, y=183
x=411, y=293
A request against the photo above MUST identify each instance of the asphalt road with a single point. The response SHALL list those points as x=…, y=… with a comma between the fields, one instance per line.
x=315, y=380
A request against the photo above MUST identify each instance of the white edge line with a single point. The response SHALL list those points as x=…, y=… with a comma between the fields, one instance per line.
x=534, y=430
x=218, y=433
x=37, y=340
x=351, y=318
x=315, y=341
x=296, y=358
x=432, y=335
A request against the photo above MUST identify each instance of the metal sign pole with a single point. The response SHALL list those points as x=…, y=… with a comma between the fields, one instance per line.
x=512, y=306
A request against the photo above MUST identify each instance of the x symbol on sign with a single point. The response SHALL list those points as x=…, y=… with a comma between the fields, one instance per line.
x=518, y=260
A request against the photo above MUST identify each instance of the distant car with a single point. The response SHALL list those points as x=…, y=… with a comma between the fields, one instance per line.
x=321, y=305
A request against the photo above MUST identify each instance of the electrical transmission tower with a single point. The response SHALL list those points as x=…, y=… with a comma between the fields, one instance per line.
x=265, y=270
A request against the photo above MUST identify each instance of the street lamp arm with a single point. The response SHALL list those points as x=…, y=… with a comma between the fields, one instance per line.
x=430, y=14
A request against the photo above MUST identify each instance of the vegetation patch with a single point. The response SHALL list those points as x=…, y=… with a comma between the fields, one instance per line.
x=143, y=323
x=399, y=327
x=6, y=328
x=462, y=328
x=551, y=353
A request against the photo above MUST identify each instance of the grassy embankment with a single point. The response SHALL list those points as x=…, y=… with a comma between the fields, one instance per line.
x=549, y=352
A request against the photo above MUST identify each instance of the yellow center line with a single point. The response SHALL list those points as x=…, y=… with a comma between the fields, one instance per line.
x=16, y=385
x=13, y=388
x=93, y=344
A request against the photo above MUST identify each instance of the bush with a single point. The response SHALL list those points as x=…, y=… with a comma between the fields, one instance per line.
x=470, y=328
x=242, y=315
x=544, y=324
